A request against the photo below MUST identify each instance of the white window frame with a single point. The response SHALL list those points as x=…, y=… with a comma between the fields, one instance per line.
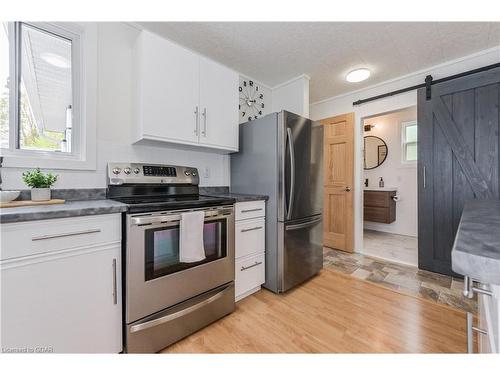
x=84, y=84
x=404, y=126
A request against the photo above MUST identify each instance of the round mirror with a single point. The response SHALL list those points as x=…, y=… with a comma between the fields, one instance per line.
x=375, y=151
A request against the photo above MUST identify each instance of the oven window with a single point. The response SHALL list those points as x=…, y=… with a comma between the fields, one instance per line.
x=162, y=248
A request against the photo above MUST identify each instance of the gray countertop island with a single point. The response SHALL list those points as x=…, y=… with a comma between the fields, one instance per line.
x=476, y=251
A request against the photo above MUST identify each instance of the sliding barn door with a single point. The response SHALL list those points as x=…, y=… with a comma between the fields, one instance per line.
x=458, y=152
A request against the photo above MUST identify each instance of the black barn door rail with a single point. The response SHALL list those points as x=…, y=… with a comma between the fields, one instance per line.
x=428, y=83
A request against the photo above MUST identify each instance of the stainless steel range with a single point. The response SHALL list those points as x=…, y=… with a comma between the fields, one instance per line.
x=166, y=299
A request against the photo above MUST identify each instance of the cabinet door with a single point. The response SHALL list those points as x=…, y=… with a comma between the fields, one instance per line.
x=63, y=302
x=168, y=88
x=218, y=105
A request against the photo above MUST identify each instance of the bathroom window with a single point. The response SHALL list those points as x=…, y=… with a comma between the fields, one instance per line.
x=409, y=141
x=40, y=82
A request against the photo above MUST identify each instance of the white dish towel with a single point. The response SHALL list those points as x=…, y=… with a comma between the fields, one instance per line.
x=191, y=247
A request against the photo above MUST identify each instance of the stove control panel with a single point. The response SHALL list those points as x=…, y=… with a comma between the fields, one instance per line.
x=138, y=173
x=157, y=170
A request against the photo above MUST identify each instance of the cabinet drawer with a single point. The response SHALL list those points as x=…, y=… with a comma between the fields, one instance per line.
x=378, y=198
x=250, y=210
x=376, y=214
x=250, y=273
x=36, y=237
x=250, y=237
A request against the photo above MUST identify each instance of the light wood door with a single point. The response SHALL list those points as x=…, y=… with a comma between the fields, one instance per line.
x=218, y=105
x=338, y=224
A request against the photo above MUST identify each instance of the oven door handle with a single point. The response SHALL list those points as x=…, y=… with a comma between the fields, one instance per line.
x=145, y=220
x=177, y=314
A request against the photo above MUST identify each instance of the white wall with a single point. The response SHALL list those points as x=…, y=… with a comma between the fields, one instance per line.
x=395, y=173
x=115, y=101
x=343, y=104
x=292, y=96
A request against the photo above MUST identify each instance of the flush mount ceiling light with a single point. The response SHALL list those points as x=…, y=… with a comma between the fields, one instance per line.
x=357, y=75
x=55, y=60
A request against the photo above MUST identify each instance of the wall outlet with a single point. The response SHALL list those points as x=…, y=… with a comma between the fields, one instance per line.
x=206, y=172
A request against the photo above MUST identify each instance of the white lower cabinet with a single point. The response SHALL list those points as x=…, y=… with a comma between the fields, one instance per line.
x=63, y=300
x=488, y=320
x=250, y=235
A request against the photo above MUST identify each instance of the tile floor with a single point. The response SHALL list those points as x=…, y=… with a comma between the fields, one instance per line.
x=392, y=247
x=408, y=280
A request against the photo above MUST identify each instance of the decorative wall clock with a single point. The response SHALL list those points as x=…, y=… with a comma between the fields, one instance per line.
x=251, y=104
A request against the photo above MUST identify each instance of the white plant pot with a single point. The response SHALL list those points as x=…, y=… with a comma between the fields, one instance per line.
x=40, y=194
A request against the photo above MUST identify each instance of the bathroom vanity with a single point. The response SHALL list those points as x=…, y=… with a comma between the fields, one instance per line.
x=379, y=205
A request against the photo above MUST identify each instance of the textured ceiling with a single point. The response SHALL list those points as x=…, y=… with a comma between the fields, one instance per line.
x=274, y=52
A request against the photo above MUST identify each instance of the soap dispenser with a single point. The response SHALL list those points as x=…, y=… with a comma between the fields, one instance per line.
x=381, y=183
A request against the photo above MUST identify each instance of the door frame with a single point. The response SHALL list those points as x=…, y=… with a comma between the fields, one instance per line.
x=360, y=166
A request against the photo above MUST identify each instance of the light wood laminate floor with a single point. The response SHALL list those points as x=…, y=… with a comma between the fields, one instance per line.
x=332, y=313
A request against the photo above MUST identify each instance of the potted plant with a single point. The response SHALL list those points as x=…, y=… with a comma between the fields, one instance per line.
x=39, y=183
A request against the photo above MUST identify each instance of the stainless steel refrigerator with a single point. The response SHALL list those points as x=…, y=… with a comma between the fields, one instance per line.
x=281, y=155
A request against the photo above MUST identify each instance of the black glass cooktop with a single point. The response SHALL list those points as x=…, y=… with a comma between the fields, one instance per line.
x=160, y=203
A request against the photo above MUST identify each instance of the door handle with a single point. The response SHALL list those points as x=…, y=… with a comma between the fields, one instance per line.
x=197, y=114
x=291, y=148
x=115, y=292
x=348, y=189
x=204, y=132
x=303, y=225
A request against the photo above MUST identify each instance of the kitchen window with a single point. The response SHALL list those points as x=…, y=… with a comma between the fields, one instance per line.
x=409, y=141
x=41, y=96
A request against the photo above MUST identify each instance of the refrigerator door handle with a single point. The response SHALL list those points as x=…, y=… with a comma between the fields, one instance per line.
x=303, y=225
x=291, y=148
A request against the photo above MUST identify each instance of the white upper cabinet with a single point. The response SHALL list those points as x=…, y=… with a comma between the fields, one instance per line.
x=168, y=90
x=184, y=98
x=218, y=105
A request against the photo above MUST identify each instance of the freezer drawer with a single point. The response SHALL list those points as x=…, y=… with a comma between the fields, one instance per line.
x=302, y=255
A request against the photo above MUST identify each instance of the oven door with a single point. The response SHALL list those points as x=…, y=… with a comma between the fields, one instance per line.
x=156, y=279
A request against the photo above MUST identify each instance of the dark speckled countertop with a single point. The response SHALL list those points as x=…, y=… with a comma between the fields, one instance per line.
x=55, y=211
x=476, y=251
x=83, y=202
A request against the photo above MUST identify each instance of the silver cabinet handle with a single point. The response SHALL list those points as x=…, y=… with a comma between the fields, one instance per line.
x=250, y=229
x=424, y=177
x=252, y=210
x=204, y=132
x=291, y=147
x=196, y=126
x=178, y=314
x=470, y=289
x=69, y=234
x=252, y=266
x=470, y=333
x=115, y=292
